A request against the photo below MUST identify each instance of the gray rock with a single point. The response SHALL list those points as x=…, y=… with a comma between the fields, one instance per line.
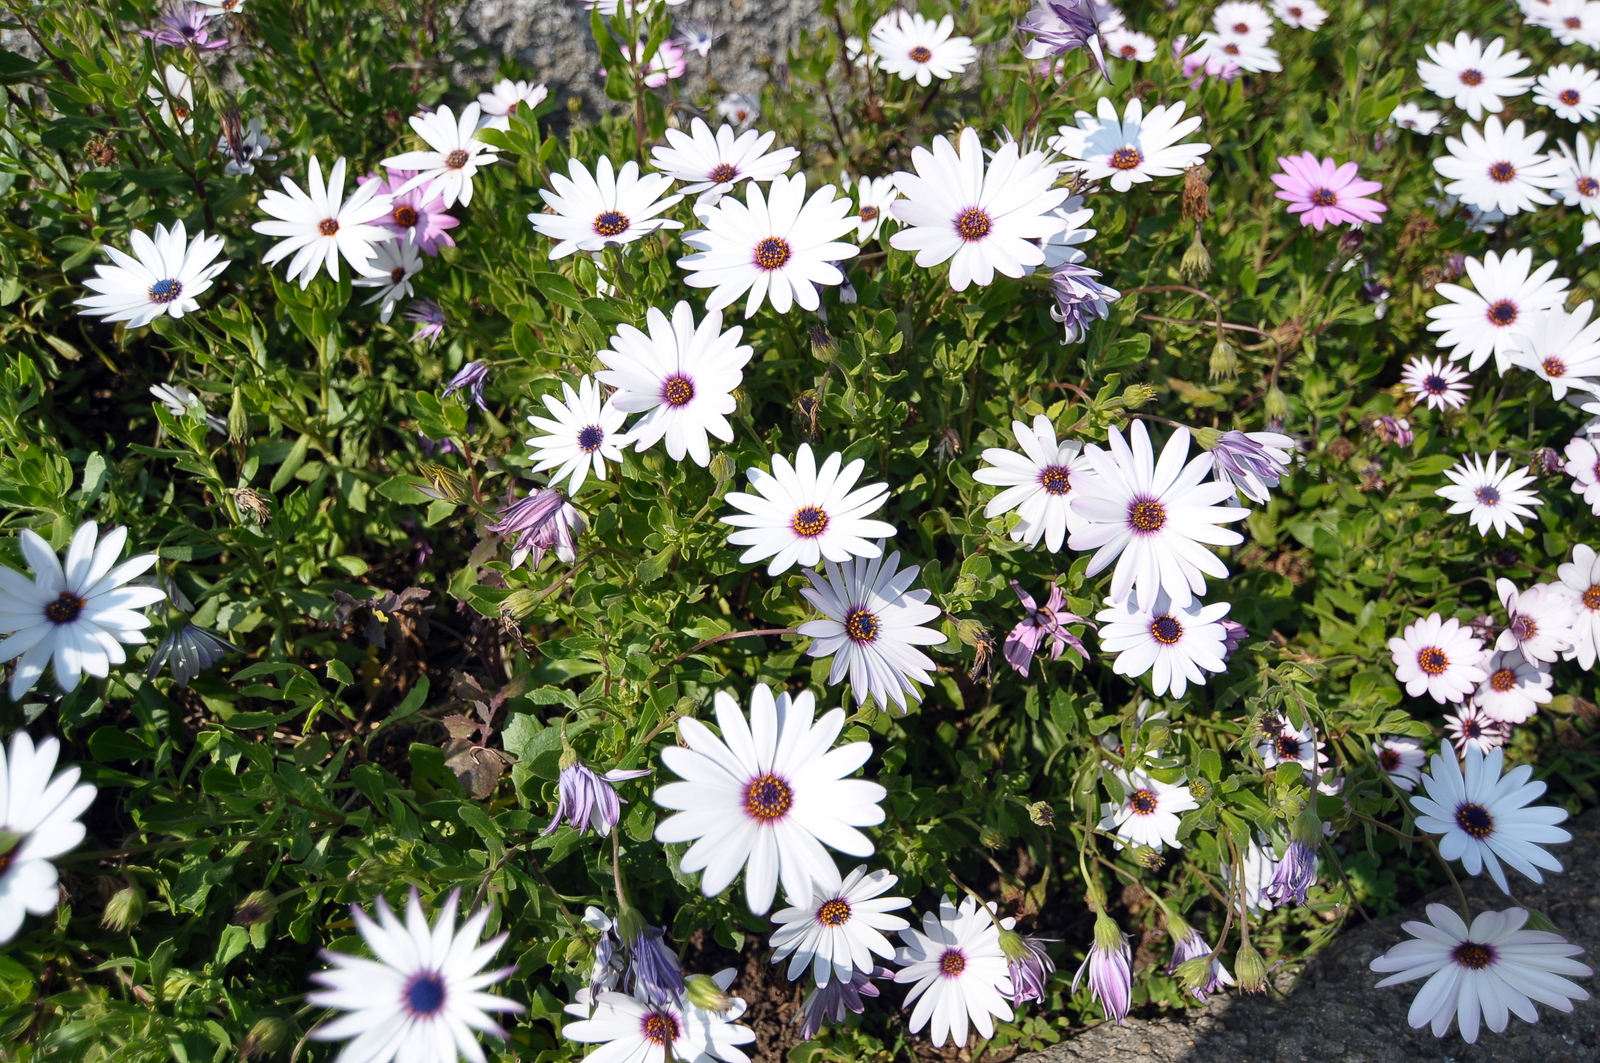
x=1331, y=1013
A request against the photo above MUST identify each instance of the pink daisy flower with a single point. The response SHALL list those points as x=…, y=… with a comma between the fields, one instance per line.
x=420, y=210
x=1325, y=192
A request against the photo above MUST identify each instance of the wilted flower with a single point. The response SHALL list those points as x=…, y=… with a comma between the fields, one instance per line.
x=542, y=521
x=1250, y=461
x=1028, y=964
x=610, y=964
x=1251, y=967
x=653, y=972
x=183, y=25
x=587, y=800
x=1390, y=429
x=190, y=650
x=1110, y=967
x=247, y=144
x=1038, y=624
x=1201, y=973
x=1080, y=299
x=1234, y=633
x=828, y=1003
x=1061, y=26
x=426, y=313
x=1297, y=869
x=470, y=378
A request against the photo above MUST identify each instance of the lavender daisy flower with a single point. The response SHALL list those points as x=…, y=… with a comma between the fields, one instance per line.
x=1110, y=967
x=1233, y=634
x=828, y=1003
x=542, y=521
x=1297, y=870
x=587, y=800
x=1061, y=26
x=653, y=973
x=1080, y=299
x=426, y=313
x=1251, y=461
x=698, y=36
x=1209, y=975
x=1028, y=965
x=471, y=379
x=1037, y=625
x=190, y=650
x=183, y=25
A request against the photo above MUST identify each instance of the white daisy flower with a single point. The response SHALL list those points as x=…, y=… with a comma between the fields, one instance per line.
x=1581, y=577
x=610, y=207
x=1572, y=92
x=911, y=46
x=1515, y=689
x=174, y=93
x=1439, y=658
x=1436, y=382
x=454, y=157
x=837, y=932
x=1177, y=645
x=873, y=197
x=1583, y=465
x=1133, y=149
x=1294, y=745
x=498, y=104
x=1064, y=247
x=768, y=794
x=162, y=276
x=1040, y=483
x=1482, y=818
x=392, y=267
x=1538, y=620
x=1485, y=321
x=1154, y=520
x=957, y=972
x=1130, y=45
x=801, y=514
x=636, y=1031
x=1234, y=52
x=1473, y=727
x=710, y=165
x=1561, y=349
x=41, y=807
x=681, y=377
x=1483, y=974
x=1401, y=759
x=871, y=624
x=1242, y=21
x=319, y=225
x=580, y=433
x=78, y=612
x=1148, y=814
x=739, y=108
x=1570, y=21
x=1500, y=168
x=1493, y=494
x=1580, y=183
x=1410, y=116
x=979, y=218
x=779, y=247
x=420, y=1000
x=181, y=402
x=1301, y=14
x=1471, y=76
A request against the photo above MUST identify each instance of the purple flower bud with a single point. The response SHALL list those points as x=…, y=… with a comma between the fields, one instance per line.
x=471, y=377
x=1250, y=461
x=1296, y=873
x=1192, y=946
x=184, y=25
x=1080, y=299
x=1028, y=964
x=1233, y=633
x=542, y=521
x=653, y=972
x=426, y=313
x=1110, y=967
x=1051, y=621
x=1061, y=26
x=588, y=801
x=828, y=1003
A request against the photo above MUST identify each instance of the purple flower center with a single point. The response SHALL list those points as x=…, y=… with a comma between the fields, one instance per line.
x=1287, y=747
x=1470, y=817
x=868, y=213
x=456, y=159
x=1055, y=479
x=1166, y=630
x=1324, y=197
x=1125, y=158
x=1487, y=496
x=328, y=227
x=722, y=173
x=920, y=54
x=1432, y=660
x=590, y=437
x=1570, y=97
x=1502, y=313
x=611, y=223
x=862, y=625
x=952, y=963
x=973, y=224
x=1473, y=956
x=659, y=1028
x=1434, y=384
x=1389, y=760
x=1554, y=366
x=1147, y=515
x=1471, y=77
x=773, y=253
x=1502, y=172
x=1143, y=802
x=424, y=995
x=1588, y=186
x=65, y=609
x=768, y=798
x=1591, y=598
x=809, y=522
x=165, y=291
x=677, y=391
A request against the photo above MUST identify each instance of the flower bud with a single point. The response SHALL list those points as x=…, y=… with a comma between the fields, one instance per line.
x=1148, y=858
x=653, y=249
x=1277, y=405
x=1196, y=262
x=1250, y=969
x=258, y=907
x=704, y=993
x=238, y=419
x=990, y=838
x=1200, y=788
x=1194, y=974
x=1041, y=814
x=264, y=1038
x=124, y=910
x=1136, y=395
x=1224, y=364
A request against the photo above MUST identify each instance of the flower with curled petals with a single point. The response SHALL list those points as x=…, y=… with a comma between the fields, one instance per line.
x=767, y=796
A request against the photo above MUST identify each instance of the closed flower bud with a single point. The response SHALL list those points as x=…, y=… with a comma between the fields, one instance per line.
x=238, y=419
x=258, y=907
x=1147, y=857
x=1194, y=974
x=264, y=1038
x=1200, y=788
x=1196, y=262
x=990, y=838
x=1041, y=813
x=1136, y=395
x=703, y=992
x=1277, y=405
x=124, y=910
x=1250, y=969
x=1224, y=363
x=822, y=344
x=1160, y=735
x=652, y=247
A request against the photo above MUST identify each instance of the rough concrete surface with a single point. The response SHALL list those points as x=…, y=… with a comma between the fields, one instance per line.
x=1333, y=1015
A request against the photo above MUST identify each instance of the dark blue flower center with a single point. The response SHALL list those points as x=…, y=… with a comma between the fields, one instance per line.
x=590, y=437
x=1503, y=313
x=861, y=625
x=1470, y=817
x=65, y=609
x=768, y=798
x=165, y=291
x=1324, y=197
x=424, y=994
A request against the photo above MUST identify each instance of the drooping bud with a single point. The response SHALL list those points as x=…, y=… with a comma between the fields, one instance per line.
x=1250, y=969
x=238, y=419
x=704, y=992
x=1277, y=405
x=124, y=910
x=1224, y=363
x=1196, y=262
x=990, y=838
x=1028, y=964
x=1136, y=395
x=1110, y=968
